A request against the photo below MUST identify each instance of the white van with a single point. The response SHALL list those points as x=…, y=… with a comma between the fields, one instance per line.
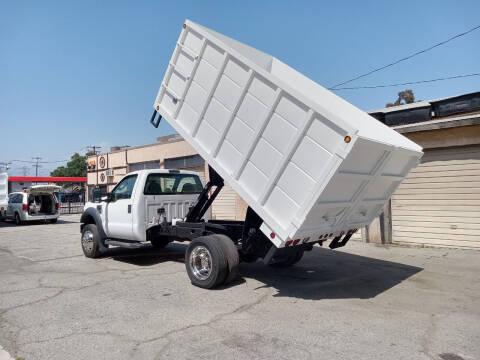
x=36, y=203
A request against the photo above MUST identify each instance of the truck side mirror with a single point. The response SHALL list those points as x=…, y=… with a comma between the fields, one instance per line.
x=108, y=198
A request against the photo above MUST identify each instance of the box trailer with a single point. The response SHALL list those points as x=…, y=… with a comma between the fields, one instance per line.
x=310, y=166
x=309, y=163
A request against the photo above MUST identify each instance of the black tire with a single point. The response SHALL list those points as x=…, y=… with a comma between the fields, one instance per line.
x=160, y=242
x=94, y=247
x=53, y=221
x=298, y=257
x=288, y=260
x=18, y=221
x=231, y=252
x=217, y=263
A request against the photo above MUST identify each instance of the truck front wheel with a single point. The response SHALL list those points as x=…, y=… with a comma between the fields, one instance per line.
x=206, y=262
x=92, y=244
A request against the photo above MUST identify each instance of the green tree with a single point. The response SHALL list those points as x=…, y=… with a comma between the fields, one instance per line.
x=404, y=97
x=75, y=167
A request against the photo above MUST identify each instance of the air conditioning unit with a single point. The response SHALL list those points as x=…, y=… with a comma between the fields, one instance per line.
x=109, y=172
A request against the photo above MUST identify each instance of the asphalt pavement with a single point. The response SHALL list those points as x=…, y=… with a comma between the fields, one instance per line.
x=359, y=302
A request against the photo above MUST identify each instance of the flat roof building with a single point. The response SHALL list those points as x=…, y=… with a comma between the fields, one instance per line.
x=169, y=152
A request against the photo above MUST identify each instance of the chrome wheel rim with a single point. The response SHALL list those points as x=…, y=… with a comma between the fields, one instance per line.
x=201, y=262
x=87, y=240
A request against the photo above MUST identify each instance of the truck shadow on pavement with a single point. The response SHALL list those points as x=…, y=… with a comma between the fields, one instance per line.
x=327, y=274
x=321, y=274
x=147, y=255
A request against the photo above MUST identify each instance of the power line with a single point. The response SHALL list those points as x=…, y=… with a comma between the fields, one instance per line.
x=406, y=57
x=40, y=162
x=94, y=148
x=6, y=165
x=25, y=170
x=51, y=162
x=407, y=83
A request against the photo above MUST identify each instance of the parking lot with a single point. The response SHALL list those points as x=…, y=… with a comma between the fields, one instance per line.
x=360, y=302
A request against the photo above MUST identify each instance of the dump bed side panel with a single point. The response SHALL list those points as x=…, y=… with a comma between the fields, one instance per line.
x=278, y=139
x=270, y=146
x=358, y=190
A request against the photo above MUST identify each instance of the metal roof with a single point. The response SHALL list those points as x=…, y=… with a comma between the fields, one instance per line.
x=418, y=104
x=414, y=105
x=47, y=178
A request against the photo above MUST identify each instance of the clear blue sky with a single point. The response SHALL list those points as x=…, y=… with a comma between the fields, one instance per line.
x=76, y=73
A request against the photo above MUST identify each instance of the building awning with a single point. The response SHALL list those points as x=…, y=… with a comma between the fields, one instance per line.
x=47, y=179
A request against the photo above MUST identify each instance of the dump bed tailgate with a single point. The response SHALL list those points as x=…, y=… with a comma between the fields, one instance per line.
x=305, y=160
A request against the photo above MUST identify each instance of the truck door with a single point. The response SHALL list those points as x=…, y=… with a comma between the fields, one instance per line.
x=119, y=209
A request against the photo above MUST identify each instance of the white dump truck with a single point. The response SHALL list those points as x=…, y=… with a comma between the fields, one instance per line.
x=310, y=166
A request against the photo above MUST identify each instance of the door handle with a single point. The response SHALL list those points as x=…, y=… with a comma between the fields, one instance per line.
x=129, y=209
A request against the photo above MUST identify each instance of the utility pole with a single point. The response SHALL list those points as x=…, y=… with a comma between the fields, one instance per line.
x=5, y=165
x=25, y=170
x=94, y=148
x=36, y=165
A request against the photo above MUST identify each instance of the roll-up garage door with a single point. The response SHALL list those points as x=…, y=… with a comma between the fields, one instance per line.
x=438, y=204
x=223, y=208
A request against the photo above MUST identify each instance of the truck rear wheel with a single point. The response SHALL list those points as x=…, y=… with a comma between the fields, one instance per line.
x=288, y=259
x=231, y=252
x=92, y=244
x=206, y=262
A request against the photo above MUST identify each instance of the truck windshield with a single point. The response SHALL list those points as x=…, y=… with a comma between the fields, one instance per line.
x=171, y=184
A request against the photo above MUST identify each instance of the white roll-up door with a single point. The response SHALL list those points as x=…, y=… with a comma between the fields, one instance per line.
x=439, y=202
x=223, y=208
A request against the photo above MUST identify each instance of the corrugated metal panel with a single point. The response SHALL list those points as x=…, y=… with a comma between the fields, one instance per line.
x=223, y=208
x=408, y=116
x=438, y=203
x=459, y=104
x=145, y=165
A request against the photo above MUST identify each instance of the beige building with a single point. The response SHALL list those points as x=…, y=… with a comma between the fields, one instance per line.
x=169, y=152
x=438, y=204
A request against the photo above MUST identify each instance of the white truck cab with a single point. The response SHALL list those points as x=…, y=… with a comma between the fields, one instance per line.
x=131, y=208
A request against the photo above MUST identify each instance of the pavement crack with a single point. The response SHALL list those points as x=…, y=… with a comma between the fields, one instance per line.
x=427, y=337
x=167, y=336
x=3, y=311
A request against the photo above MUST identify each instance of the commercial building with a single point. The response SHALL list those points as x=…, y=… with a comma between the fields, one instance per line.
x=438, y=204
x=169, y=152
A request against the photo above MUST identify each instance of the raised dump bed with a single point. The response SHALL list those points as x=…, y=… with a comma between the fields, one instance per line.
x=309, y=163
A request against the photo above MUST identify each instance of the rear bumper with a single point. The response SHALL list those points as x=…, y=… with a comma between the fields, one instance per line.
x=40, y=217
